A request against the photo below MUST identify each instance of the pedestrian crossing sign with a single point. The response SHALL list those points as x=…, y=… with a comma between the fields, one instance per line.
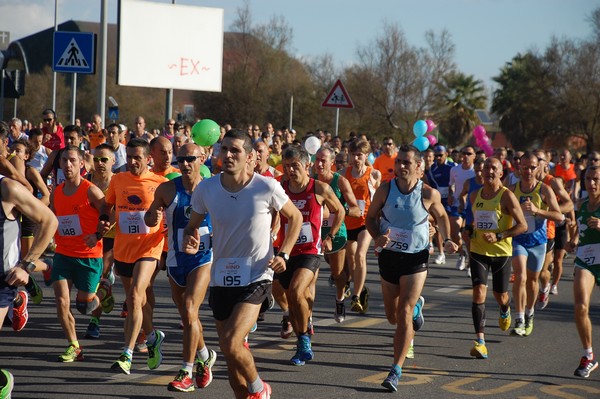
x=338, y=97
x=74, y=52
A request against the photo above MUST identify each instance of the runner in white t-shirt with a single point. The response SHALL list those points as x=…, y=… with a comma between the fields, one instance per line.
x=241, y=207
x=458, y=176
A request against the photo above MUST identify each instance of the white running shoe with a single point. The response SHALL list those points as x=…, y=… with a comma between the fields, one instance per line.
x=461, y=264
x=440, y=259
x=554, y=289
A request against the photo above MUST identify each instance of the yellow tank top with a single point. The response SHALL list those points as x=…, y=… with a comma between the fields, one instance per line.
x=488, y=218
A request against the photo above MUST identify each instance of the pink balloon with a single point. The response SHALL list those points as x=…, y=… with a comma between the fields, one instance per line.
x=479, y=131
x=489, y=151
x=430, y=127
x=432, y=139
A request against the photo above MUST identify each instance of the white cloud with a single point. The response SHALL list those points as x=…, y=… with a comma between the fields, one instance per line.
x=24, y=18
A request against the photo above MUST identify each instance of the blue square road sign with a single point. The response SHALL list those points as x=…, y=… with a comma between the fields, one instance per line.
x=74, y=52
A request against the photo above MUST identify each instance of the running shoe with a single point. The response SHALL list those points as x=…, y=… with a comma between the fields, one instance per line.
x=140, y=342
x=519, y=328
x=204, y=369
x=105, y=291
x=512, y=278
x=504, y=320
x=254, y=327
x=542, y=301
x=586, y=366
x=310, y=329
x=93, y=329
x=182, y=383
x=246, y=344
x=479, y=350
x=35, y=292
x=418, y=319
x=264, y=394
x=154, y=350
x=364, y=299
x=554, y=289
x=111, y=275
x=20, y=313
x=347, y=291
x=355, y=304
x=286, y=327
x=6, y=390
x=48, y=272
x=528, y=325
x=461, y=263
x=440, y=259
x=331, y=281
x=340, y=312
x=122, y=364
x=391, y=381
x=304, y=351
x=411, y=352
x=124, y=312
x=71, y=354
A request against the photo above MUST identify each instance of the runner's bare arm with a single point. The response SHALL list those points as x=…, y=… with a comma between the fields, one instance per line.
x=191, y=237
x=372, y=218
x=154, y=212
x=351, y=204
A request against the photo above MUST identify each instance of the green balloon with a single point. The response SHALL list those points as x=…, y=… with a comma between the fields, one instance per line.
x=172, y=175
x=206, y=132
x=204, y=171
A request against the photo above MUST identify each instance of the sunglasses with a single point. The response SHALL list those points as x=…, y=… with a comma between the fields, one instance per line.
x=439, y=155
x=48, y=119
x=101, y=159
x=594, y=159
x=388, y=143
x=188, y=159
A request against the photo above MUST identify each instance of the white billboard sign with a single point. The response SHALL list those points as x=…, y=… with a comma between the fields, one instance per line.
x=170, y=46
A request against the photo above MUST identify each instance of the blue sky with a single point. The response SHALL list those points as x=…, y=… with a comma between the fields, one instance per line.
x=486, y=33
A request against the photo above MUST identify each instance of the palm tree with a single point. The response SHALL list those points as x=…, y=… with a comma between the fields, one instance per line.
x=463, y=95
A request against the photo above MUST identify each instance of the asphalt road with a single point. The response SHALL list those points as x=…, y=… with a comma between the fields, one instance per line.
x=351, y=359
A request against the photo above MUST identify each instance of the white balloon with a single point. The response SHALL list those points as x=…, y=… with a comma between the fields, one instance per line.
x=312, y=145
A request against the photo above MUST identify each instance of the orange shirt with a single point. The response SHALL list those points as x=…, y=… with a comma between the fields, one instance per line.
x=170, y=169
x=385, y=164
x=132, y=195
x=77, y=218
x=362, y=192
x=550, y=225
x=96, y=139
x=566, y=174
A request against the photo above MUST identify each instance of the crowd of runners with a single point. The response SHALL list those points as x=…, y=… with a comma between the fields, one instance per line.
x=249, y=221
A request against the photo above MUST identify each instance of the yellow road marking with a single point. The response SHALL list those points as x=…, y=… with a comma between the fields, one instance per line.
x=364, y=322
x=455, y=386
x=557, y=390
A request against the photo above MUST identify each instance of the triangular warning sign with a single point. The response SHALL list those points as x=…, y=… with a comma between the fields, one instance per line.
x=338, y=97
x=72, y=56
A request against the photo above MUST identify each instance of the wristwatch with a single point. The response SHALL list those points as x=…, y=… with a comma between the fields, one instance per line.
x=285, y=256
x=499, y=237
x=29, y=266
x=330, y=236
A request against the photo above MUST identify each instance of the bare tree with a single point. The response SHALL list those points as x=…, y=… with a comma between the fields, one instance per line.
x=399, y=83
